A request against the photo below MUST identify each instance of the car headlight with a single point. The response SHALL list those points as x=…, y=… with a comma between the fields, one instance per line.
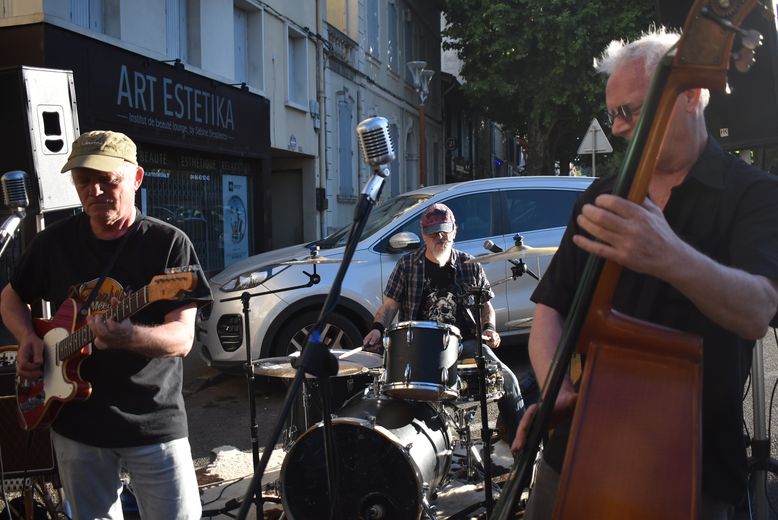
x=249, y=280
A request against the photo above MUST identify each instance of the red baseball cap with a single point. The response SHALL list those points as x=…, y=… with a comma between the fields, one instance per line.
x=438, y=217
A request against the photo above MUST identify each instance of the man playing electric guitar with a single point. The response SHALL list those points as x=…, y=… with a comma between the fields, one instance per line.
x=134, y=418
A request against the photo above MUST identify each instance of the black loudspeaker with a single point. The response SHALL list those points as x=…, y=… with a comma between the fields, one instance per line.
x=23, y=454
x=40, y=123
x=748, y=116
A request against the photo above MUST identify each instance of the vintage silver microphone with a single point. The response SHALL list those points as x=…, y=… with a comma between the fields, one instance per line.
x=377, y=150
x=15, y=198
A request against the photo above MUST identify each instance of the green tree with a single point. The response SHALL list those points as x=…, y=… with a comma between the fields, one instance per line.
x=528, y=65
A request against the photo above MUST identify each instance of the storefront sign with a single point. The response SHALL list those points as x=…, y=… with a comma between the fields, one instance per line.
x=121, y=90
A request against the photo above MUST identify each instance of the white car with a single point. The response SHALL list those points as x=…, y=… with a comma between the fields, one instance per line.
x=281, y=312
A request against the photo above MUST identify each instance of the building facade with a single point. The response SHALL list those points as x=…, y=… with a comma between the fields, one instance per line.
x=244, y=110
x=369, y=43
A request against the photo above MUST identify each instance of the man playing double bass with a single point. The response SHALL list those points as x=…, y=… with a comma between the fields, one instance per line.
x=700, y=254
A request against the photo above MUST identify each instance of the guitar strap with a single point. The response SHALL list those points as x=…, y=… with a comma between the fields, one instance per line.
x=84, y=310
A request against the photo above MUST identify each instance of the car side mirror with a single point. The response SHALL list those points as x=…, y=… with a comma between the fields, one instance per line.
x=403, y=241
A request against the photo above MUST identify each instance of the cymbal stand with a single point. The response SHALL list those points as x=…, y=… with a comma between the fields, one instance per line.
x=245, y=298
x=479, y=295
x=317, y=360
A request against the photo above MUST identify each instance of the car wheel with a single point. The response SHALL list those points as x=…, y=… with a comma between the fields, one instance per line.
x=339, y=332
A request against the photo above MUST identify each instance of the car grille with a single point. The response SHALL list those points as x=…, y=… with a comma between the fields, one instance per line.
x=230, y=331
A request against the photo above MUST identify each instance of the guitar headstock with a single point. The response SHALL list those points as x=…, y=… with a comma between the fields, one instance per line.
x=705, y=48
x=172, y=286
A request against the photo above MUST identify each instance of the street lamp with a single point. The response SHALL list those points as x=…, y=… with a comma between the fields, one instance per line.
x=421, y=82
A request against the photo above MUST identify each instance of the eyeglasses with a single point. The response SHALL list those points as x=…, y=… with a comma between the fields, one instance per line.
x=625, y=112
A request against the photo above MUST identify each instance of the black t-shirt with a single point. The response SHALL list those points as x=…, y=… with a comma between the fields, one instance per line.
x=135, y=400
x=728, y=211
x=439, y=302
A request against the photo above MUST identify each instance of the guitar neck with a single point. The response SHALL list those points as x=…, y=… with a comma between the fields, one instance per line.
x=124, y=309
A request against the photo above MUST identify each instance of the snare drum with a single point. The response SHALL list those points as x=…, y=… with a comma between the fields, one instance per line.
x=421, y=359
x=469, y=385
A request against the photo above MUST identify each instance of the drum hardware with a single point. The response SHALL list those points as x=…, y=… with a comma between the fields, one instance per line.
x=378, y=151
x=477, y=296
x=515, y=254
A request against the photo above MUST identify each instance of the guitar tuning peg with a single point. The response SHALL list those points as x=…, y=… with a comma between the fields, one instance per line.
x=743, y=59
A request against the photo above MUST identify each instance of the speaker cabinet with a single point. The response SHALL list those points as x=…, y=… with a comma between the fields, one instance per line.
x=748, y=116
x=24, y=454
x=39, y=126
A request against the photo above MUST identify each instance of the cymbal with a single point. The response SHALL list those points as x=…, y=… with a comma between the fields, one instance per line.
x=514, y=253
x=317, y=260
x=282, y=367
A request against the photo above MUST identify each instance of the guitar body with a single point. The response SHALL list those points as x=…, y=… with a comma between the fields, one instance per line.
x=40, y=401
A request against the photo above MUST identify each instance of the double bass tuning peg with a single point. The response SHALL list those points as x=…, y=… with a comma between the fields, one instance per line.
x=743, y=59
x=750, y=39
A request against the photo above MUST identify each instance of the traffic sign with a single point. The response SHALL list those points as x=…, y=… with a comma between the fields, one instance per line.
x=595, y=140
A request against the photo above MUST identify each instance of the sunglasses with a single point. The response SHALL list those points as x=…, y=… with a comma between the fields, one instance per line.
x=623, y=111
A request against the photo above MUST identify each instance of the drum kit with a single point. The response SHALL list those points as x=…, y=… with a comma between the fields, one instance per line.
x=393, y=422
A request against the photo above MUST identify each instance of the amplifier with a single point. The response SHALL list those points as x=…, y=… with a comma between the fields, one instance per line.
x=23, y=453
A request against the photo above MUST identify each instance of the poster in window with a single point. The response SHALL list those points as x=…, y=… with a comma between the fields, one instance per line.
x=236, y=243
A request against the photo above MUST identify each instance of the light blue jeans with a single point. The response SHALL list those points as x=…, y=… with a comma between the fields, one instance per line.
x=162, y=477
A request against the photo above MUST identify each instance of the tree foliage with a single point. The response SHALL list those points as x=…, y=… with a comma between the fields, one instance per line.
x=528, y=65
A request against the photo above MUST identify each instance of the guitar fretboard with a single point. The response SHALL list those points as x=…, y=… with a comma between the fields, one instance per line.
x=127, y=307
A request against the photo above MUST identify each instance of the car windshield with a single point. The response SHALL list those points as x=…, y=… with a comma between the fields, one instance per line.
x=380, y=216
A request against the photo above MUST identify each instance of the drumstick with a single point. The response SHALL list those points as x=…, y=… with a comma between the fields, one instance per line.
x=350, y=353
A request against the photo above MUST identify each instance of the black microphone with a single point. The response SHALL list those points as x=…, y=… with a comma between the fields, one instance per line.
x=491, y=246
x=376, y=144
x=15, y=197
x=15, y=190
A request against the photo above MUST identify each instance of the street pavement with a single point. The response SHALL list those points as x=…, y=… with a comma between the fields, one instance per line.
x=220, y=421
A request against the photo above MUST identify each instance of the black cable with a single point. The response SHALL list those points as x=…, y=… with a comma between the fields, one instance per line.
x=221, y=493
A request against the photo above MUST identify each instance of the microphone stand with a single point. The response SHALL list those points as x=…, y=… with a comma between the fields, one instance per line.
x=316, y=359
x=8, y=229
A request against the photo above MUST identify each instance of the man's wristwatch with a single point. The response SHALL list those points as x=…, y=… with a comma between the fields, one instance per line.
x=490, y=326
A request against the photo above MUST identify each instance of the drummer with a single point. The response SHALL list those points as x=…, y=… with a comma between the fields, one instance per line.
x=431, y=284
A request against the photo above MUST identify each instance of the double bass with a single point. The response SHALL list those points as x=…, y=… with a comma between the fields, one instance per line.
x=642, y=383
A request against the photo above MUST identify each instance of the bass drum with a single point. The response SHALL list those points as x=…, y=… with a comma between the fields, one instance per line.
x=391, y=454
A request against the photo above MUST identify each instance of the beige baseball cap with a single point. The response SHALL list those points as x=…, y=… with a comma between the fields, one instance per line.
x=101, y=150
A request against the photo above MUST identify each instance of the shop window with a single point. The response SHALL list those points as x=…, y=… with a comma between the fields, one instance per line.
x=297, y=65
x=189, y=201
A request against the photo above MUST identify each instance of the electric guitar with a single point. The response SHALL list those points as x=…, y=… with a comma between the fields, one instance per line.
x=65, y=347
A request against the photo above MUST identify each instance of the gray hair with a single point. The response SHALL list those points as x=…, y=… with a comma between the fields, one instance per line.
x=650, y=48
